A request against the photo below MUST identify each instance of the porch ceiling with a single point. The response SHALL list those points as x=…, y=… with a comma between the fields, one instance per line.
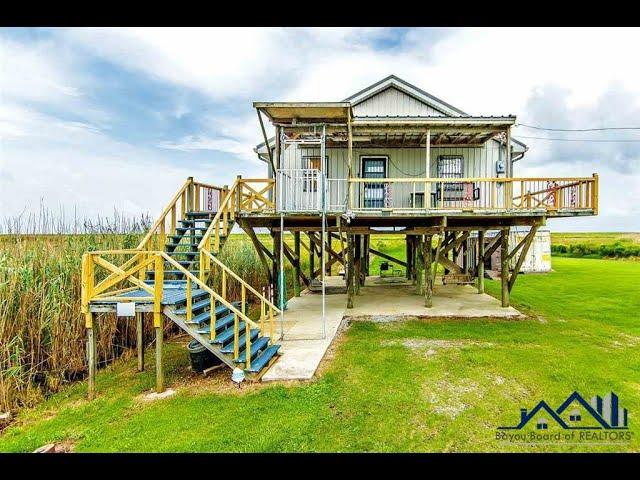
x=305, y=112
x=412, y=132
x=458, y=131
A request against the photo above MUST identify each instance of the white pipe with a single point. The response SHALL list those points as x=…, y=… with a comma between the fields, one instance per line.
x=281, y=279
x=323, y=164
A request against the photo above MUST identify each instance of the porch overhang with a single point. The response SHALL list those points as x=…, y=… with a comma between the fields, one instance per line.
x=291, y=113
x=443, y=131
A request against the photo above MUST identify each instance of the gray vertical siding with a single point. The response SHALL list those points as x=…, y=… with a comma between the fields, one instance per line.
x=403, y=162
x=393, y=102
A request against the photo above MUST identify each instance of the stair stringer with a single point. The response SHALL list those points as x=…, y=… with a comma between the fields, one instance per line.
x=201, y=339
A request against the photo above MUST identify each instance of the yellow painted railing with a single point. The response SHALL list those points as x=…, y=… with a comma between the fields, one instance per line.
x=139, y=261
x=267, y=307
x=192, y=197
x=498, y=194
x=245, y=195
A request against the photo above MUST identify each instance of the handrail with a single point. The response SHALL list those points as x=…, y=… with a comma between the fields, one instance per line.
x=90, y=292
x=239, y=279
x=207, y=289
x=215, y=223
x=465, y=179
x=164, y=214
x=189, y=195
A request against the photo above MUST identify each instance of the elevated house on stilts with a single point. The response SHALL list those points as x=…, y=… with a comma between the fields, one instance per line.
x=391, y=158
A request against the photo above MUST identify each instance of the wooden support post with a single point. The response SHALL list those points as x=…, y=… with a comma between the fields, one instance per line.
x=298, y=271
x=275, y=235
x=523, y=253
x=190, y=196
x=92, y=360
x=312, y=257
x=420, y=266
x=480, y=269
x=504, y=269
x=428, y=280
x=407, y=249
x=140, y=340
x=350, y=271
x=358, y=263
x=437, y=259
x=159, y=370
x=367, y=254
x=260, y=249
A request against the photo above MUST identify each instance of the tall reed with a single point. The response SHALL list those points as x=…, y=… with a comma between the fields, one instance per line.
x=42, y=335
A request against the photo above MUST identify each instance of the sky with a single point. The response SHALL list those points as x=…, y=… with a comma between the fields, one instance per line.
x=97, y=119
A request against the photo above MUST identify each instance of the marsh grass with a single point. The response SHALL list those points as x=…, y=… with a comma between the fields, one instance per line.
x=42, y=335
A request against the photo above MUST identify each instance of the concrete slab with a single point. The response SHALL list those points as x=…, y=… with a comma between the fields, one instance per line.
x=303, y=347
x=387, y=303
x=381, y=300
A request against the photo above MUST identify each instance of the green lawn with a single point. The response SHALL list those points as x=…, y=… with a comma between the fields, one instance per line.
x=414, y=386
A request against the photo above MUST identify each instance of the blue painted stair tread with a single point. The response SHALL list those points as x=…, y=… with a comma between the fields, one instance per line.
x=242, y=342
x=260, y=344
x=195, y=306
x=226, y=334
x=263, y=359
x=178, y=296
x=206, y=316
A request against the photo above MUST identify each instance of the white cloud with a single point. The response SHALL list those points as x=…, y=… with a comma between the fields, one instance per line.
x=194, y=142
x=488, y=71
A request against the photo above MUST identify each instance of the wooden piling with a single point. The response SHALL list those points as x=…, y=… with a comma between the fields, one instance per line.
x=92, y=360
x=312, y=251
x=275, y=235
x=350, y=272
x=159, y=370
x=480, y=269
x=419, y=261
x=140, y=340
x=296, y=250
x=358, y=263
x=428, y=280
x=504, y=268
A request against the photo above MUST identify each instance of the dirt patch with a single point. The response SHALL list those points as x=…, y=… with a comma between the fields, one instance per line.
x=625, y=341
x=217, y=382
x=452, y=397
x=431, y=347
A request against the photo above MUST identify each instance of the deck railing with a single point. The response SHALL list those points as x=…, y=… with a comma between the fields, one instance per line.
x=488, y=194
x=299, y=190
x=192, y=197
x=126, y=278
x=245, y=195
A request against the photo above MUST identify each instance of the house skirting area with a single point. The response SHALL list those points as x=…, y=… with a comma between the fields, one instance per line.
x=380, y=300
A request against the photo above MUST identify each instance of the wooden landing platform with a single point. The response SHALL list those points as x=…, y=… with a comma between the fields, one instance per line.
x=173, y=293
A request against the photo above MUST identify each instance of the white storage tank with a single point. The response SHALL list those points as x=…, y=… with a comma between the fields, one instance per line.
x=538, y=258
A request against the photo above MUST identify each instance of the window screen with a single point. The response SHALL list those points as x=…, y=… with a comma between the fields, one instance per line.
x=449, y=166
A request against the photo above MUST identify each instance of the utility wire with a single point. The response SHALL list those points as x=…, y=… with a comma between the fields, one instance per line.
x=575, y=129
x=589, y=140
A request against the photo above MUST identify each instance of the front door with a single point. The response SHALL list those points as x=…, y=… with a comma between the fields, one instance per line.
x=374, y=193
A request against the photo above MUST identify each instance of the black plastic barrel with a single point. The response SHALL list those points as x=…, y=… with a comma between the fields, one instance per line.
x=201, y=358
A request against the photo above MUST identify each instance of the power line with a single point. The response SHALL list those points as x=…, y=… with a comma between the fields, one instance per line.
x=589, y=140
x=575, y=129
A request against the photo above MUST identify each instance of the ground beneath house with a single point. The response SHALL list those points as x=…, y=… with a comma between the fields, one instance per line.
x=442, y=385
x=380, y=300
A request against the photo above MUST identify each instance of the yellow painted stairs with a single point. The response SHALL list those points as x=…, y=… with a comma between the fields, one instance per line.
x=175, y=271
